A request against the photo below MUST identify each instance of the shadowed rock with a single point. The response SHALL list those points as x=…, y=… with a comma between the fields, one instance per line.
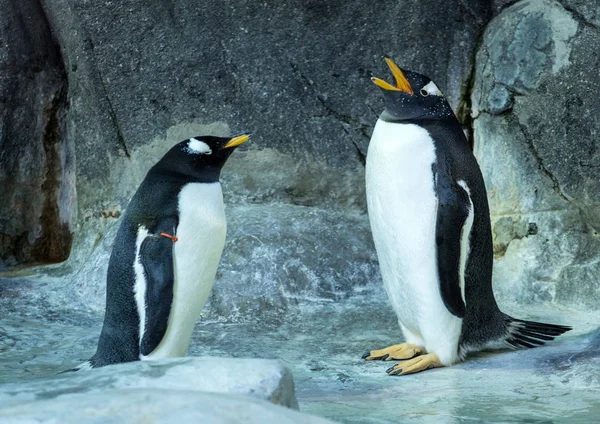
x=37, y=169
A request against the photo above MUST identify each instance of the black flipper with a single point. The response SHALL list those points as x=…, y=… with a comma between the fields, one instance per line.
x=156, y=256
x=453, y=209
x=527, y=334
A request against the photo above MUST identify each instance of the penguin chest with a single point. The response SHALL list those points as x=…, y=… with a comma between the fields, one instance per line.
x=196, y=255
x=402, y=208
x=201, y=238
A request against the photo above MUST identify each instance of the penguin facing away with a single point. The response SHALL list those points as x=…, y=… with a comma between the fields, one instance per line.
x=430, y=221
x=165, y=255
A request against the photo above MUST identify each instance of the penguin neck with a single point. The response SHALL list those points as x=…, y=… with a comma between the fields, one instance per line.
x=448, y=119
x=448, y=123
x=208, y=174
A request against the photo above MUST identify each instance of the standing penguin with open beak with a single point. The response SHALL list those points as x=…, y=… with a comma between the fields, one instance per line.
x=165, y=256
x=430, y=221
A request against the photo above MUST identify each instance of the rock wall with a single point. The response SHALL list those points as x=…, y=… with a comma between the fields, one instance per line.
x=537, y=140
x=120, y=83
x=296, y=74
x=37, y=170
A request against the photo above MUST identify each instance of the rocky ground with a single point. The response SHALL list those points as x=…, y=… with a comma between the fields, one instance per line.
x=321, y=343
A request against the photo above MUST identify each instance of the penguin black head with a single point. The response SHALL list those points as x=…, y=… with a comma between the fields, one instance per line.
x=198, y=158
x=414, y=97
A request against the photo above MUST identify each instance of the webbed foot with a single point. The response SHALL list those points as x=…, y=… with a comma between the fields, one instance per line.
x=418, y=364
x=395, y=352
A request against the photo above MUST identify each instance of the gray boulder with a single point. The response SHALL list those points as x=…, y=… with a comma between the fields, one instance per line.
x=259, y=378
x=156, y=406
x=536, y=139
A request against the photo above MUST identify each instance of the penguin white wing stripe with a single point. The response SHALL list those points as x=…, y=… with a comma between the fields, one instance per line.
x=465, y=234
x=140, y=286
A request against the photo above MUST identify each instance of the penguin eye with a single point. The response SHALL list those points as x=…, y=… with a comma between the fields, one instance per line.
x=424, y=92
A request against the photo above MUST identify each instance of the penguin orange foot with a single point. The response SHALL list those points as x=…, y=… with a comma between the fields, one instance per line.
x=395, y=352
x=418, y=364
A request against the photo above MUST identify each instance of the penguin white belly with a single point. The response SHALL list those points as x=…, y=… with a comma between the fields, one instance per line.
x=402, y=207
x=196, y=255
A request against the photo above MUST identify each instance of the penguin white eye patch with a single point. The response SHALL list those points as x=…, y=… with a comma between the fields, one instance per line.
x=198, y=147
x=432, y=90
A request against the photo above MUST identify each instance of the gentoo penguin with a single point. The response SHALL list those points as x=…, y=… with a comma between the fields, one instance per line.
x=165, y=255
x=430, y=221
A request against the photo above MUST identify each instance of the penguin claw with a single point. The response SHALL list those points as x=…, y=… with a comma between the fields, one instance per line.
x=395, y=370
x=418, y=364
x=384, y=357
x=366, y=354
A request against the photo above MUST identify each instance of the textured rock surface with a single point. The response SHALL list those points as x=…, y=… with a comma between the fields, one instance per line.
x=37, y=170
x=259, y=378
x=140, y=74
x=145, y=405
x=537, y=141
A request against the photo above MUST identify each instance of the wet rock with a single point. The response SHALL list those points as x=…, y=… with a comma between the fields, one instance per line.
x=146, y=405
x=279, y=256
x=536, y=141
x=276, y=256
x=259, y=378
x=322, y=344
x=37, y=169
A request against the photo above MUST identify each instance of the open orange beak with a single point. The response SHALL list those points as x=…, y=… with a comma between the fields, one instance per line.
x=402, y=83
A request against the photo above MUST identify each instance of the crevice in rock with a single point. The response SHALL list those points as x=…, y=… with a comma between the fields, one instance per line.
x=579, y=17
x=111, y=110
x=513, y=120
x=373, y=110
x=54, y=244
x=361, y=156
x=343, y=119
x=40, y=186
x=465, y=106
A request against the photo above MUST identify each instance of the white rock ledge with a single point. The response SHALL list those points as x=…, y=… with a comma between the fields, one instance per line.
x=263, y=379
x=153, y=406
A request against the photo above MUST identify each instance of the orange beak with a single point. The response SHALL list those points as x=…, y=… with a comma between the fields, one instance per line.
x=236, y=141
x=402, y=83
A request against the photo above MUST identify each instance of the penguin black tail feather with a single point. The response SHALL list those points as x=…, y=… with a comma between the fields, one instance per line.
x=527, y=334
